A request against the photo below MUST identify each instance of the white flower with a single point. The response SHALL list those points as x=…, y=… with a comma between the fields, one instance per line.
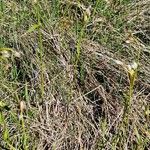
x=132, y=66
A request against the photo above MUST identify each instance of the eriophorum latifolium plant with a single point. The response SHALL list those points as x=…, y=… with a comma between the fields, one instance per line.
x=131, y=71
x=60, y=96
x=132, y=75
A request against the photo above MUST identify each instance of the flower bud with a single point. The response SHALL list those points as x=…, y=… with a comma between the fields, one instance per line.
x=22, y=106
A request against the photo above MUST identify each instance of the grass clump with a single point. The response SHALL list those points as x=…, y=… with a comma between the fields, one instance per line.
x=67, y=80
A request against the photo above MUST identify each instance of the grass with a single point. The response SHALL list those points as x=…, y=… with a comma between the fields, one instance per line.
x=68, y=77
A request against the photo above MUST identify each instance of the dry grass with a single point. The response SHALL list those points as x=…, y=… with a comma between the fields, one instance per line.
x=68, y=76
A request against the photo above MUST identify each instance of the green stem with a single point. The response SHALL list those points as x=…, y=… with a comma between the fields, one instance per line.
x=41, y=52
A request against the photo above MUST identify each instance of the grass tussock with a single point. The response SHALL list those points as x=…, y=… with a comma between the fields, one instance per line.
x=74, y=75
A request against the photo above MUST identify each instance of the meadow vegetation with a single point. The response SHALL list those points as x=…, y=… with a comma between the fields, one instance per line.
x=74, y=74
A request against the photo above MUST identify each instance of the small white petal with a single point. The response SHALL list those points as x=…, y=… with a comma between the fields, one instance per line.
x=129, y=67
x=134, y=65
x=127, y=41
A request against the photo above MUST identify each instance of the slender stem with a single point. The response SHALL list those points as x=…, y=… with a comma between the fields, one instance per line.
x=41, y=52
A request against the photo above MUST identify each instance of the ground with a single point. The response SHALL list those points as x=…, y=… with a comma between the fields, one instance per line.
x=75, y=75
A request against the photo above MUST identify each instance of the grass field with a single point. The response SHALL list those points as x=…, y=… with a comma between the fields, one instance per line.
x=75, y=75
